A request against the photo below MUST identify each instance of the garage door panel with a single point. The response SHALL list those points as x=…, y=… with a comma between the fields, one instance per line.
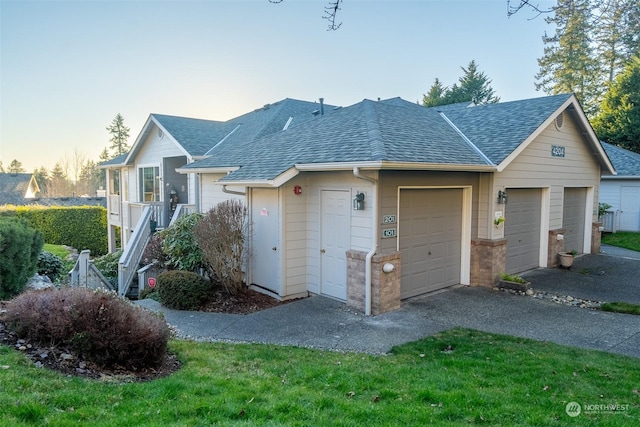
x=573, y=218
x=522, y=229
x=430, y=239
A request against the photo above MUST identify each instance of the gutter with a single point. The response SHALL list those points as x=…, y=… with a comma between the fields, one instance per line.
x=374, y=245
x=237, y=193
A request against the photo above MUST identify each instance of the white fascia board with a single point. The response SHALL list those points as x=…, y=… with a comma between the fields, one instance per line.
x=276, y=182
x=620, y=177
x=395, y=166
x=208, y=170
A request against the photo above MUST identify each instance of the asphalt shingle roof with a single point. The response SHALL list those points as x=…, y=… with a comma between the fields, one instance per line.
x=365, y=132
x=13, y=188
x=498, y=129
x=627, y=163
x=196, y=136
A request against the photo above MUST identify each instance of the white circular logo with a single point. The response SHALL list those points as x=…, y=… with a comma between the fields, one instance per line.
x=573, y=409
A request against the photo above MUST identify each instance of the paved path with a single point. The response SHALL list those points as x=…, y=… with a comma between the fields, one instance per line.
x=320, y=322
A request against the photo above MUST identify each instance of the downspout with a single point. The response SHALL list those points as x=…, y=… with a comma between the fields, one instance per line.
x=374, y=237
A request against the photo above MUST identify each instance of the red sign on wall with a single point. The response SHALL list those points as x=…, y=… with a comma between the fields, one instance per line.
x=152, y=282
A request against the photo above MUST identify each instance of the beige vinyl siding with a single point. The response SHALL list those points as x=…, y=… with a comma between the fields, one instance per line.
x=301, y=225
x=154, y=149
x=211, y=193
x=536, y=168
x=391, y=180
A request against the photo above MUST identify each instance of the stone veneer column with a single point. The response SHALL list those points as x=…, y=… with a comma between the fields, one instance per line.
x=596, y=237
x=385, y=287
x=488, y=261
x=555, y=247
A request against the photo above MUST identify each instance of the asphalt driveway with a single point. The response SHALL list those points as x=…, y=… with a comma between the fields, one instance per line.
x=320, y=322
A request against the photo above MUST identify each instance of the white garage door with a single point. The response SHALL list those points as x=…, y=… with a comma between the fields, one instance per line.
x=522, y=229
x=573, y=211
x=630, y=208
x=430, y=228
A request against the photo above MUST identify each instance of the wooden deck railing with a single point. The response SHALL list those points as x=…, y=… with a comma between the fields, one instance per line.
x=130, y=258
x=182, y=209
x=86, y=275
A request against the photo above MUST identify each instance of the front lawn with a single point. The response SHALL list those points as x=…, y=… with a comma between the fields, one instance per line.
x=58, y=250
x=459, y=377
x=623, y=239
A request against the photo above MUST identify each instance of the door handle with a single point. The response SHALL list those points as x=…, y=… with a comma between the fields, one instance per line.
x=322, y=251
x=274, y=248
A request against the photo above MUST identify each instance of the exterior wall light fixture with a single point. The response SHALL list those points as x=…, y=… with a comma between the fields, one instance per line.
x=502, y=197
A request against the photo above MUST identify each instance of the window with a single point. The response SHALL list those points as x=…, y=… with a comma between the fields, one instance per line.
x=115, y=182
x=150, y=184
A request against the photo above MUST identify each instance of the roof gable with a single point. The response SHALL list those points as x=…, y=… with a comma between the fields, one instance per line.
x=15, y=188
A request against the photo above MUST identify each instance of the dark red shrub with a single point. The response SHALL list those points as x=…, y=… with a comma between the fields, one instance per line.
x=98, y=325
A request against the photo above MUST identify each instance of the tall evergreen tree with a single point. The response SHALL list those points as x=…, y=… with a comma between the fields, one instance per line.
x=59, y=184
x=569, y=63
x=119, y=135
x=15, y=167
x=42, y=178
x=616, y=33
x=1, y=167
x=619, y=120
x=474, y=87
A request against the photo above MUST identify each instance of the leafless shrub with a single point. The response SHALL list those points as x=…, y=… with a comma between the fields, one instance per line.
x=221, y=235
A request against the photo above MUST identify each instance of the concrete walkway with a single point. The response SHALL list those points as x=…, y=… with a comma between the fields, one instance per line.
x=320, y=322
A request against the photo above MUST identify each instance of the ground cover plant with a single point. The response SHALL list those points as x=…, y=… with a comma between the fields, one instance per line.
x=623, y=239
x=621, y=307
x=458, y=377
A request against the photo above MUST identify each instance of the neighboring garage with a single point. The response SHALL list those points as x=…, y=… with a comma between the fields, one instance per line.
x=573, y=212
x=430, y=227
x=522, y=229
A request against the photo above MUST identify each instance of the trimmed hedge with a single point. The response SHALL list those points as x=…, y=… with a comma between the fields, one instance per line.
x=20, y=246
x=81, y=227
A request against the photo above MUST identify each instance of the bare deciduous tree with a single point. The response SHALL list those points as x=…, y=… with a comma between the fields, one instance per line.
x=221, y=235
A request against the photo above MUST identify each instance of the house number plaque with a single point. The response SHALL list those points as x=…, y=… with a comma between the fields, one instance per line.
x=557, y=151
x=389, y=219
x=388, y=232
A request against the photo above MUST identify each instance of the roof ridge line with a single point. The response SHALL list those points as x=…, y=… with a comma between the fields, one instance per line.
x=467, y=140
x=373, y=131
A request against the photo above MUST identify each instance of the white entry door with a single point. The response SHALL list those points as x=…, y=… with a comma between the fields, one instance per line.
x=335, y=241
x=266, y=250
x=630, y=208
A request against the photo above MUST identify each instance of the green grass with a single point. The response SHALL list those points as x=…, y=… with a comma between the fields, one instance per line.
x=458, y=377
x=58, y=250
x=621, y=307
x=623, y=239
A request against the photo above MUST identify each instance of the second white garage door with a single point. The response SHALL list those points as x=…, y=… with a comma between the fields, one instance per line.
x=430, y=225
x=522, y=229
x=573, y=211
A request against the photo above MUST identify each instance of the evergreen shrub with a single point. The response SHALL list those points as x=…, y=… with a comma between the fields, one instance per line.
x=183, y=290
x=20, y=246
x=50, y=265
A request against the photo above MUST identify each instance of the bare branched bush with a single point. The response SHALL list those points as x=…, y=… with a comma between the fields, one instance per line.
x=221, y=235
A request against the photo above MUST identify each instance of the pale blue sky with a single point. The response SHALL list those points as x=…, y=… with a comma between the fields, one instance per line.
x=68, y=67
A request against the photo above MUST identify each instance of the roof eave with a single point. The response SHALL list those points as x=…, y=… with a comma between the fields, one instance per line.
x=225, y=169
